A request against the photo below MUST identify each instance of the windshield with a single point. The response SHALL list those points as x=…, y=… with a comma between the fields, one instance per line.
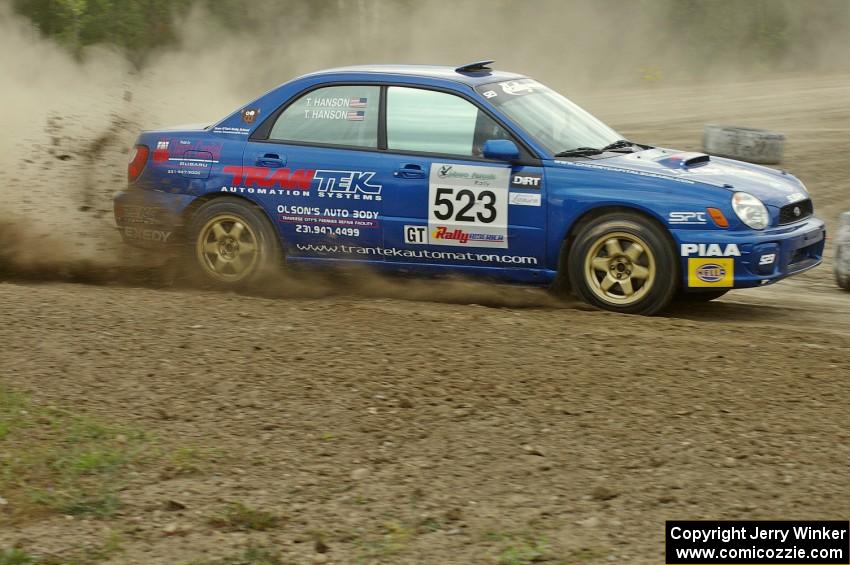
x=552, y=120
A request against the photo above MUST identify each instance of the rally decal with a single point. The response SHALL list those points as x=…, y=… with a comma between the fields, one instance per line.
x=468, y=205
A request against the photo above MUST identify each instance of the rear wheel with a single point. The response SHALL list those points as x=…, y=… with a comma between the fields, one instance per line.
x=232, y=244
x=625, y=263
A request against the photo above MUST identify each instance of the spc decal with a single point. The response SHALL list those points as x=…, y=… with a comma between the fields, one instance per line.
x=468, y=205
x=684, y=218
x=711, y=273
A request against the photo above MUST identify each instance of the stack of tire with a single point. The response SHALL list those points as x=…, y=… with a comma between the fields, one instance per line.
x=746, y=144
x=842, y=252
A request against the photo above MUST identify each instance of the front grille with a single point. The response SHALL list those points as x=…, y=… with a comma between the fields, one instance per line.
x=795, y=212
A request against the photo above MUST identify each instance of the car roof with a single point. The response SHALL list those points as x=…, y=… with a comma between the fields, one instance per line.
x=472, y=78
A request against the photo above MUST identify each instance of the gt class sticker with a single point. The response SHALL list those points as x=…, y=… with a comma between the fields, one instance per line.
x=468, y=205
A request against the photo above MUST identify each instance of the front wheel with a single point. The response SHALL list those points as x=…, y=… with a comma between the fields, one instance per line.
x=232, y=244
x=625, y=263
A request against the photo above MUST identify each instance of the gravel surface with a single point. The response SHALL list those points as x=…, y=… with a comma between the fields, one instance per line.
x=464, y=424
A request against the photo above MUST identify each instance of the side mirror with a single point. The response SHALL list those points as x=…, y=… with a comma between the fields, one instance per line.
x=501, y=150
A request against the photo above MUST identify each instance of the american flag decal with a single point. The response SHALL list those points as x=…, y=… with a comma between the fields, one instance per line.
x=356, y=116
x=357, y=102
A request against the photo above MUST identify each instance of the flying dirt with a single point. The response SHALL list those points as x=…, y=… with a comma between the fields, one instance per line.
x=354, y=418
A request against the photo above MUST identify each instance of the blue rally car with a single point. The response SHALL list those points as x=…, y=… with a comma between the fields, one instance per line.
x=468, y=171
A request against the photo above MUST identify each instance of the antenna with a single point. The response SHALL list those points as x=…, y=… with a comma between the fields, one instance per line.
x=474, y=67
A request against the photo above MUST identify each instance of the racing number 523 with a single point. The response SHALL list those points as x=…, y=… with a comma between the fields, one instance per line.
x=466, y=199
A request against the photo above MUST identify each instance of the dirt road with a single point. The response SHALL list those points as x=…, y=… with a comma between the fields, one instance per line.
x=465, y=424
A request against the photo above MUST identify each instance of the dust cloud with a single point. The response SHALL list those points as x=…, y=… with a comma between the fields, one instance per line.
x=68, y=123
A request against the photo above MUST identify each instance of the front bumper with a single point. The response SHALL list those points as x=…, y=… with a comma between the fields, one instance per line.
x=150, y=219
x=765, y=256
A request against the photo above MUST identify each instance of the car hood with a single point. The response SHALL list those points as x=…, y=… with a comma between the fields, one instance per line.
x=774, y=188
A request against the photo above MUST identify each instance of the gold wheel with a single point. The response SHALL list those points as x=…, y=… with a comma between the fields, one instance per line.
x=227, y=248
x=620, y=268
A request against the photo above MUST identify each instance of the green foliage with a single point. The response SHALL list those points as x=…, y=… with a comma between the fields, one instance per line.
x=764, y=32
x=58, y=461
x=86, y=555
x=15, y=556
x=524, y=553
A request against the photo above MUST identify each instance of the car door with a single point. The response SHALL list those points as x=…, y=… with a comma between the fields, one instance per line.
x=448, y=205
x=320, y=174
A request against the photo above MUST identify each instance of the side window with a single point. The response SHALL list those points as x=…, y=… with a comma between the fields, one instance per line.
x=335, y=115
x=437, y=122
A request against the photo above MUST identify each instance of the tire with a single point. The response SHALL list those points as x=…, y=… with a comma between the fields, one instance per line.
x=842, y=265
x=226, y=256
x=842, y=252
x=746, y=144
x=843, y=280
x=697, y=297
x=605, y=249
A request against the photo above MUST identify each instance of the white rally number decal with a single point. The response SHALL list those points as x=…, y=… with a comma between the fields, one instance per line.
x=468, y=205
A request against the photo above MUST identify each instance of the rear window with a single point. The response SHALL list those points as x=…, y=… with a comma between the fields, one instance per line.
x=334, y=115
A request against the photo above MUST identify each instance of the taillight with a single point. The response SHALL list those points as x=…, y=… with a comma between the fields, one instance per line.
x=138, y=159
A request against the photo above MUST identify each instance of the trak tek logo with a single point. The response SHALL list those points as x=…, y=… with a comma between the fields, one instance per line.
x=348, y=184
x=263, y=177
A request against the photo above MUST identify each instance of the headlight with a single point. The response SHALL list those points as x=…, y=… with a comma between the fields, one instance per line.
x=750, y=210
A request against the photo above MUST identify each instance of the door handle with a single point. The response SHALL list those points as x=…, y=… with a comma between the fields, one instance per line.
x=271, y=160
x=410, y=171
